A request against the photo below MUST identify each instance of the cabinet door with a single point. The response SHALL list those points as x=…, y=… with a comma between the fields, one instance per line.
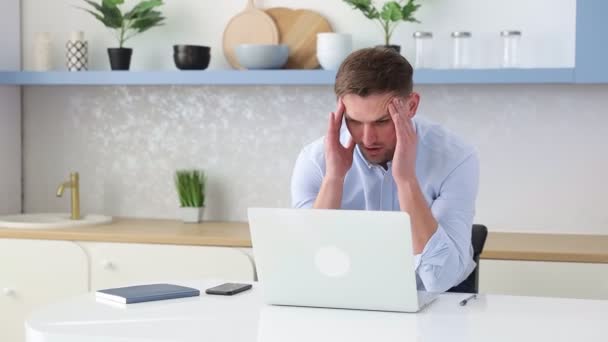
x=121, y=264
x=546, y=279
x=34, y=273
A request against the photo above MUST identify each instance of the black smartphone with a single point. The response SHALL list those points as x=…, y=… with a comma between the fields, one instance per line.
x=228, y=289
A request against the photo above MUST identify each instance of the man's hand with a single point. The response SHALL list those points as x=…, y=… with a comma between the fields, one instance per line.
x=338, y=158
x=404, y=159
x=411, y=199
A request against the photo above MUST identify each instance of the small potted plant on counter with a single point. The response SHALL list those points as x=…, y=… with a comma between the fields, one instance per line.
x=190, y=185
x=389, y=17
x=125, y=26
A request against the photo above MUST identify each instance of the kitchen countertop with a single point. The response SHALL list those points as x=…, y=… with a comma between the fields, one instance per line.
x=131, y=230
x=500, y=245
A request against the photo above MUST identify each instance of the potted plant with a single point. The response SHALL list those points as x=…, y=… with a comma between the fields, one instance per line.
x=389, y=17
x=125, y=26
x=190, y=185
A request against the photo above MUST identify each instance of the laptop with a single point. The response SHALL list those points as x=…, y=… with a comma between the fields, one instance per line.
x=348, y=259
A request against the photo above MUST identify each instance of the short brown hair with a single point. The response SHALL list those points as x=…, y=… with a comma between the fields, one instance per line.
x=372, y=71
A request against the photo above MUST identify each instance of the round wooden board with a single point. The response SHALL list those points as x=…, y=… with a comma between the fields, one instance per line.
x=298, y=29
x=252, y=26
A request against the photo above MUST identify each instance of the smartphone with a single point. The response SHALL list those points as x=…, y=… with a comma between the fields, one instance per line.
x=228, y=289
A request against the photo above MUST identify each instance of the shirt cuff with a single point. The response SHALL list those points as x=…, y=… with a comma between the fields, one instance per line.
x=438, y=238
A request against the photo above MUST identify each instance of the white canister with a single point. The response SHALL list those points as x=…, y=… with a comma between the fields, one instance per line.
x=77, y=52
x=42, y=52
x=461, y=49
x=424, y=49
x=510, y=48
x=333, y=48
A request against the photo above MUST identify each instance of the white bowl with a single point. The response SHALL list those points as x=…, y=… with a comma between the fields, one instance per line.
x=262, y=56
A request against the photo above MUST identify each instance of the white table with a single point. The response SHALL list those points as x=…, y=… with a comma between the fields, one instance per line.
x=245, y=317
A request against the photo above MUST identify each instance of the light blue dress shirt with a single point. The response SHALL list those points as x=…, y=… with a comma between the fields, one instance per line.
x=448, y=173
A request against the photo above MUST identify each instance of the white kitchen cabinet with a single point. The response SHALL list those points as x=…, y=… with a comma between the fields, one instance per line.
x=121, y=264
x=34, y=273
x=546, y=279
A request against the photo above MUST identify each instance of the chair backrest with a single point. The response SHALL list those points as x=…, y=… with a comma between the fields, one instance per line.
x=478, y=240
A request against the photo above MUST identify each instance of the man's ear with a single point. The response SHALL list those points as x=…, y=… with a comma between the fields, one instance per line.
x=412, y=104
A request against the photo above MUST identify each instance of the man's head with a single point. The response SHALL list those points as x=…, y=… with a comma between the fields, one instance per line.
x=367, y=81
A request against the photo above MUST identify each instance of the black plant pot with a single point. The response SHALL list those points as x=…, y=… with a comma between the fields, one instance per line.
x=394, y=47
x=120, y=58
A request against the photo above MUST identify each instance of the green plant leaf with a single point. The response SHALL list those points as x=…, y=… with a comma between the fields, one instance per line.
x=408, y=10
x=391, y=11
x=112, y=3
x=148, y=22
x=190, y=185
x=112, y=17
x=139, y=19
x=95, y=5
x=96, y=15
x=365, y=6
x=142, y=8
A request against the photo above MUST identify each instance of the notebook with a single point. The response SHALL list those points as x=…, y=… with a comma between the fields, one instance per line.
x=146, y=293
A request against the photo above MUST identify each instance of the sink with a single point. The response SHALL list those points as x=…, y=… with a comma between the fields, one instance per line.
x=50, y=220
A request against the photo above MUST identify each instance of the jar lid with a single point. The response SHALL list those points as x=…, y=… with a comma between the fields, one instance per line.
x=461, y=34
x=422, y=34
x=508, y=33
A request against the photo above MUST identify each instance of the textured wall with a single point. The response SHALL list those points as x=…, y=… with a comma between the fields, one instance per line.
x=543, y=148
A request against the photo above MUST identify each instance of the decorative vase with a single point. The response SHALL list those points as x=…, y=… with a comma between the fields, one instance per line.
x=42, y=52
x=77, y=52
x=191, y=214
x=120, y=58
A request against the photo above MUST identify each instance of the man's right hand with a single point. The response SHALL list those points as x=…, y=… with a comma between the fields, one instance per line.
x=338, y=158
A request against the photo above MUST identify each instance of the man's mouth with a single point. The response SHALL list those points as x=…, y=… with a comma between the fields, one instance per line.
x=375, y=150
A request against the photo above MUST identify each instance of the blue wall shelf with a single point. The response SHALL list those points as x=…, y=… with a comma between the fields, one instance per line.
x=277, y=77
x=591, y=56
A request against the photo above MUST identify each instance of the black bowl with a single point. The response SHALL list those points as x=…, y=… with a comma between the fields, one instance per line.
x=197, y=49
x=191, y=57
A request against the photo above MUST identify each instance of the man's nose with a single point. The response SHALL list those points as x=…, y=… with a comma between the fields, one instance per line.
x=369, y=135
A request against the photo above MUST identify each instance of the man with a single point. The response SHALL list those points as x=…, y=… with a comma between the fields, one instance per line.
x=384, y=159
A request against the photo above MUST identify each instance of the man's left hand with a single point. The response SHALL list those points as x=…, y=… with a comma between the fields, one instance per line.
x=404, y=159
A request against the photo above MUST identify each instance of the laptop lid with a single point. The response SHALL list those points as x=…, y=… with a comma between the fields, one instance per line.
x=351, y=259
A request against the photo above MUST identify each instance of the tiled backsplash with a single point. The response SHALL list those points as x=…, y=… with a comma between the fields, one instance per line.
x=542, y=148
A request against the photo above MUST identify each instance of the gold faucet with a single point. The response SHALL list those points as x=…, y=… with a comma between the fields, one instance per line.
x=74, y=185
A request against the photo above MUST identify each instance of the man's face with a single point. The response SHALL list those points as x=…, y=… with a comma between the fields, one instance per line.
x=371, y=126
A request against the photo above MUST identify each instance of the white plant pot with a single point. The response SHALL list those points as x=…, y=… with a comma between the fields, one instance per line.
x=191, y=214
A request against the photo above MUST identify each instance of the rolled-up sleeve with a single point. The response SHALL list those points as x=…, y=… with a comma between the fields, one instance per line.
x=305, y=181
x=447, y=258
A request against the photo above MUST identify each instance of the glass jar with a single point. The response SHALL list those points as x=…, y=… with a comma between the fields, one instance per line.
x=461, y=46
x=424, y=49
x=510, y=48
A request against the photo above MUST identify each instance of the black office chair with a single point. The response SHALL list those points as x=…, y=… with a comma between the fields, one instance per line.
x=478, y=240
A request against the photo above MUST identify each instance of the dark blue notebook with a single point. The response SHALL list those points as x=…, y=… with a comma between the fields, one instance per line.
x=146, y=293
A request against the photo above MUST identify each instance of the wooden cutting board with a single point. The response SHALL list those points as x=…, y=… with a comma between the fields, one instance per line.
x=251, y=26
x=298, y=29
